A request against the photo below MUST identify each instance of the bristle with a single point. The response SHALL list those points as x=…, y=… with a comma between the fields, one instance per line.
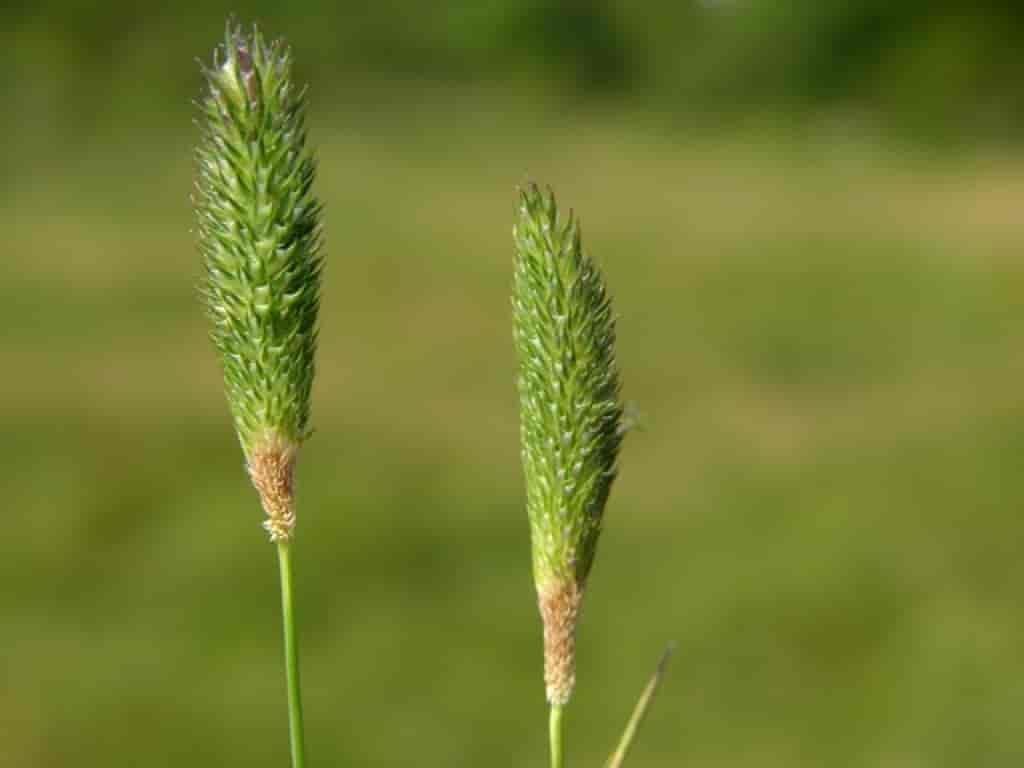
x=568, y=388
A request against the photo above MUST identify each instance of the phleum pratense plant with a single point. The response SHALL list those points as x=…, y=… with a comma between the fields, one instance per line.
x=571, y=427
x=570, y=421
x=260, y=238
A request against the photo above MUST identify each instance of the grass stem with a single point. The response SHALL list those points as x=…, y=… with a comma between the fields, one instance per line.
x=639, y=713
x=291, y=656
x=555, y=735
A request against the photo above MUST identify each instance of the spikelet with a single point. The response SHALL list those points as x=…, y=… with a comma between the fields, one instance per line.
x=259, y=235
x=570, y=416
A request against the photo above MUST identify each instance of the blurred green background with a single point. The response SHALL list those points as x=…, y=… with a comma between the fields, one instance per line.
x=810, y=215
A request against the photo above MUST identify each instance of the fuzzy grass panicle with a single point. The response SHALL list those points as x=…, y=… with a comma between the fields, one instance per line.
x=570, y=416
x=259, y=234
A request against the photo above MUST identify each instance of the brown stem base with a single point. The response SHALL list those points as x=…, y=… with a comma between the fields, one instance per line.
x=559, y=608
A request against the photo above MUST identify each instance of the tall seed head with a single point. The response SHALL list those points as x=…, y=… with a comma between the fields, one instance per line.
x=259, y=235
x=570, y=416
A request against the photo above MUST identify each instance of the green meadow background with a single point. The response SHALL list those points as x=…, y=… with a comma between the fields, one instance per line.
x=811, y=216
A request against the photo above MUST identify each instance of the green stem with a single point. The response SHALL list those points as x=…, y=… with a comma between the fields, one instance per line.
x=639, y=713
x=555, y=734
x=291, y=656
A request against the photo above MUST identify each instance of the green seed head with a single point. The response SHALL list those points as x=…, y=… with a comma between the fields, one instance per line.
x=259, y=235
x=570, y=416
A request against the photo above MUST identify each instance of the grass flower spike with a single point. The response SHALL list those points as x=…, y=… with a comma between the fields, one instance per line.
x=259, y=234
x=570, y=422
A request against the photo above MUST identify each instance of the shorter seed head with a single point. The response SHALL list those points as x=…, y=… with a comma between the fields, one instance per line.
x=570, y=416
x=569, y=411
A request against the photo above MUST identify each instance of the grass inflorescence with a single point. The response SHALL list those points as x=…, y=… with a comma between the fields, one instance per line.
x=571, y=423
x=259, y=233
